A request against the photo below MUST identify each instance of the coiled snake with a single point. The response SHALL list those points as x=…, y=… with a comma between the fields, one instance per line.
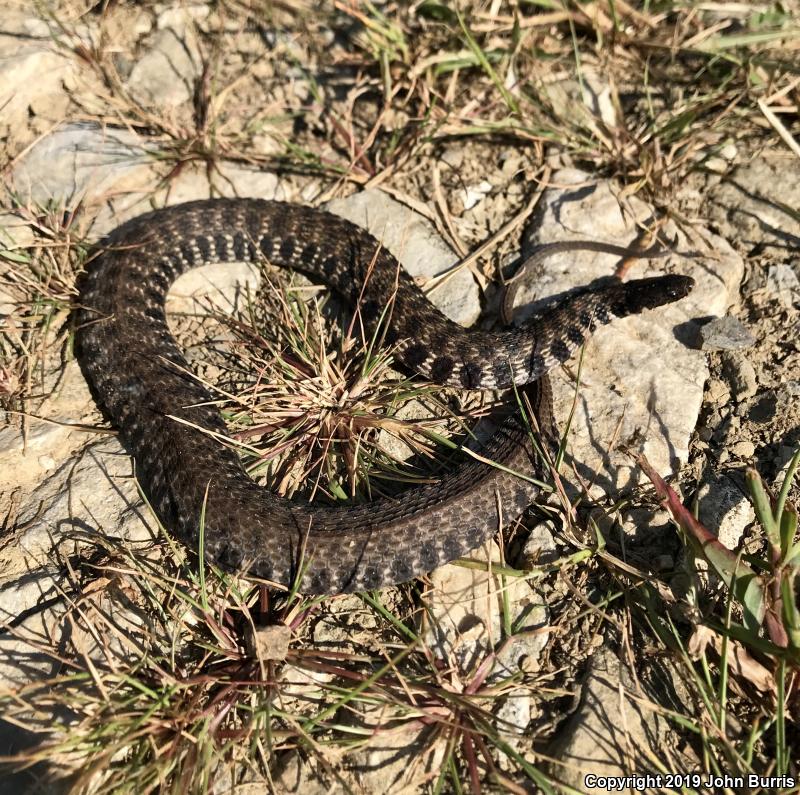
x=139, y=379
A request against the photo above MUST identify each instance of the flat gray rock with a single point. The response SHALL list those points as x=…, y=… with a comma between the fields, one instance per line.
x=757, y=204
x=641, y=385
x=164, y=75
x=94, y=164
x=609, y=734
x=415, y=242
x=33, y=71
x=726, y=334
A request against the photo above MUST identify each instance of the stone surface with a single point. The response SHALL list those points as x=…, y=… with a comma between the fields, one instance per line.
x=741, y=375
x=28, y=452
x=33, y=70
x=94, y=494
x=641, y=384
x=724, y=508
x=609, y=734
x=726, y=334
x=756, y=204
x=513, y=718
x=164, y=75
x=540, y=547
x=414, y=241
x=15, y=233
x=214, y=288
x=464, y=619
x=94, y=163
x=783, y=284
x=401, y=756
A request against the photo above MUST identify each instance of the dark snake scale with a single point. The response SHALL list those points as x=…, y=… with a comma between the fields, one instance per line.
x=139, y=378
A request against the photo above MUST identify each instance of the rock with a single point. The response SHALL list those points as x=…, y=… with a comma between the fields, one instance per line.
x=513, y=718
x=755, y=204
x=305, y=685
x=270, y=642
x=94, y=162
x=641, y=386
x=743, y=450
x=609, y=734
x=214, y=288
x=33, y=69
x=789, y=390
x=724, y=508
x=228, y=179
x=235, y=179
x=453, y=156
x=540, y=546
x=474, y=194
x=48, y=442
x=94, y=495
x=398, y=757
x=717, y=392
x=414, y=241
x=183, y=16
x=15, y=234
x=726, y=334
x=164, y=76
x=31, y=605
x=338, y=627
x=719, y=160
x=464, y=623
x=783, y=285
x=741, y=375
x=302, y=775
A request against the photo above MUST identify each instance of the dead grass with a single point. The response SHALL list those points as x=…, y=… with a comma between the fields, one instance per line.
x=317, y=411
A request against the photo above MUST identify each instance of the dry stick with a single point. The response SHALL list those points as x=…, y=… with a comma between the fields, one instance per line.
x=779, y=127
x=500, y=235
x=444, y=212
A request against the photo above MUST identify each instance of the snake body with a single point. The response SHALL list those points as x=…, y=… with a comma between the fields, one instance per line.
x=139, y=378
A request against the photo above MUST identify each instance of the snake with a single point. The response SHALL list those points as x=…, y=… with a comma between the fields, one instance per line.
x=198, y=487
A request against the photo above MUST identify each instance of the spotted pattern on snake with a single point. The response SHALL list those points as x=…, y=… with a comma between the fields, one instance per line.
x=140, y=380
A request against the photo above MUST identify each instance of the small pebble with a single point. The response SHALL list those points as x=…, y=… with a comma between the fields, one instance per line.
x=453, y=157
x=540, y=548
x=716, y=164
x=743, y=450
x=742, y=377
x=729, y=151
x=717, y=391
x=725, y=334
x=474, y=194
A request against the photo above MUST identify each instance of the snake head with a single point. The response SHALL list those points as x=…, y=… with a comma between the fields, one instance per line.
x=677, y=287
x=639, y=294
